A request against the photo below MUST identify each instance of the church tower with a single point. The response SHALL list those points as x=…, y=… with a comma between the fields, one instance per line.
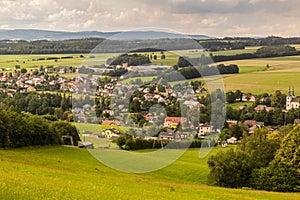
x=289, y=98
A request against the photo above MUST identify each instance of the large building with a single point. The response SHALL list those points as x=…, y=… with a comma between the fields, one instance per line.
x=291, y=100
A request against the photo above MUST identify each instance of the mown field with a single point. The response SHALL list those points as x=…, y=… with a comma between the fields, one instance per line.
x=257, y=78
x=71, y=173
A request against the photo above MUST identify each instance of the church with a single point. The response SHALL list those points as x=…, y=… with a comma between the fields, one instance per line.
x=291, y=100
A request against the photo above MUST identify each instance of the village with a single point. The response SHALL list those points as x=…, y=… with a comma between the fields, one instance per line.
x=137, y=97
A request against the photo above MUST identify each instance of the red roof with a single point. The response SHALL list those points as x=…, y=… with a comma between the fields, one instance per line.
x=175, y=119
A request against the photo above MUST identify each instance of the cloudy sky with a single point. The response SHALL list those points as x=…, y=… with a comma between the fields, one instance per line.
x=210, y=17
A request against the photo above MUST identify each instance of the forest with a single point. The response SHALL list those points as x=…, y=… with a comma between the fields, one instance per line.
x=19, y=129
x=100, y=45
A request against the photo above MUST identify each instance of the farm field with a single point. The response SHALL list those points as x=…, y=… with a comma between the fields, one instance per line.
x=35, y=61
x=255, y=77
x=71, y=173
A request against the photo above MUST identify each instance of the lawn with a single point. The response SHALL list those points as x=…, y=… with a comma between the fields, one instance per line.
x=71, y=173
x=238, y=104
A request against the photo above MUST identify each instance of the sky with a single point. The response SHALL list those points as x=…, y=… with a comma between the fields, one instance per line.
x=218, y=18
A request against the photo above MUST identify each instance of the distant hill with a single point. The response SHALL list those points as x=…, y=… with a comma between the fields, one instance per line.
x=31, y=34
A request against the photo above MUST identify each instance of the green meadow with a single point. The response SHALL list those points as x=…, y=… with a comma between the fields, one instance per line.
x=72, y=173
x=265, y=75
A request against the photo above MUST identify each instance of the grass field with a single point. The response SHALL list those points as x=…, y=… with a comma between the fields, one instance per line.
x=8, y=62
x=238, y=104
x=71, y=173
x=255, y=77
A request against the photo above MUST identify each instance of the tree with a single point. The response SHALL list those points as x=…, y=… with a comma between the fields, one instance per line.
x=230, y=97
x=182, y=62
x=23, y=70
x=261, y=148
x=238, y=95
x=278, y=100
x=231, y=169
x=282, y=174
x=135, y=106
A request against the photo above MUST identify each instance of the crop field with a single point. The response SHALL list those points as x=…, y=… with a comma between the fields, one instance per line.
x=71, y=173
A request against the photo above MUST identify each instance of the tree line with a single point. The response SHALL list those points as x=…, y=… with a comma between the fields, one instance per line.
x=19, y=129
x=230, y=43
x=263, y=52
x=57, y=105
x=100, y=45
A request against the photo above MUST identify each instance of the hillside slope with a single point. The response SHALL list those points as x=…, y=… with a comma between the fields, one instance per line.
x=71, y=173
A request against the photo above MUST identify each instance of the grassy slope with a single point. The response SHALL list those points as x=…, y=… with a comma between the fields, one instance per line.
x=70, y=173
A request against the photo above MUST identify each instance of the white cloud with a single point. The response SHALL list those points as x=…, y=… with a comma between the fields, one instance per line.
x=214, y=17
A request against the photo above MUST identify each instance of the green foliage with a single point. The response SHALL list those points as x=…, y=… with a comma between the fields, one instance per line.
x=41, y=104
x=271, y=51
x=230, y=169
x=132, y=60
x=276, y=178
x=261, y=148
x=230, y=97
x=234, y=168
x=19, y=130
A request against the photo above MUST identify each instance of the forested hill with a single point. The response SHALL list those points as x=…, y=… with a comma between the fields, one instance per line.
x=115, y=45
x=97, y=45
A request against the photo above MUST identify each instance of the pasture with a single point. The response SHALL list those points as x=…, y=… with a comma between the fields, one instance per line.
x=71, y=173
x=257, y=78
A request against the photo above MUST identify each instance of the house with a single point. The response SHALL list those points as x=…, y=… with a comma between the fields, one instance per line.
x=64, y=69
x=296, y=121
x=263, y=107
x=149, y=96
x=291, y=101
x=110, y=112
x=173, y=122
x=248, y=97
x=231, y=123
x=111, y=133
x=166, y=136
x=110, y=122
x=231, y=140
x=86, y=145
x=252, y=124
x=204, y=129
x=31, y=89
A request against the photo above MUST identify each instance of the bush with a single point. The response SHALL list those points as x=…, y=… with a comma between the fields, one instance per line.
x=276, y=178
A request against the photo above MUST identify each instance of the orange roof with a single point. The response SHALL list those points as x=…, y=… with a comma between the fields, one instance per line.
x=175, y=119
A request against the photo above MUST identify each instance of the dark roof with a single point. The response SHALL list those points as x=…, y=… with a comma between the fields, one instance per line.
x=295, y=100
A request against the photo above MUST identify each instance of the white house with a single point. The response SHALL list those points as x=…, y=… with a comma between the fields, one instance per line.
x=232, y=140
